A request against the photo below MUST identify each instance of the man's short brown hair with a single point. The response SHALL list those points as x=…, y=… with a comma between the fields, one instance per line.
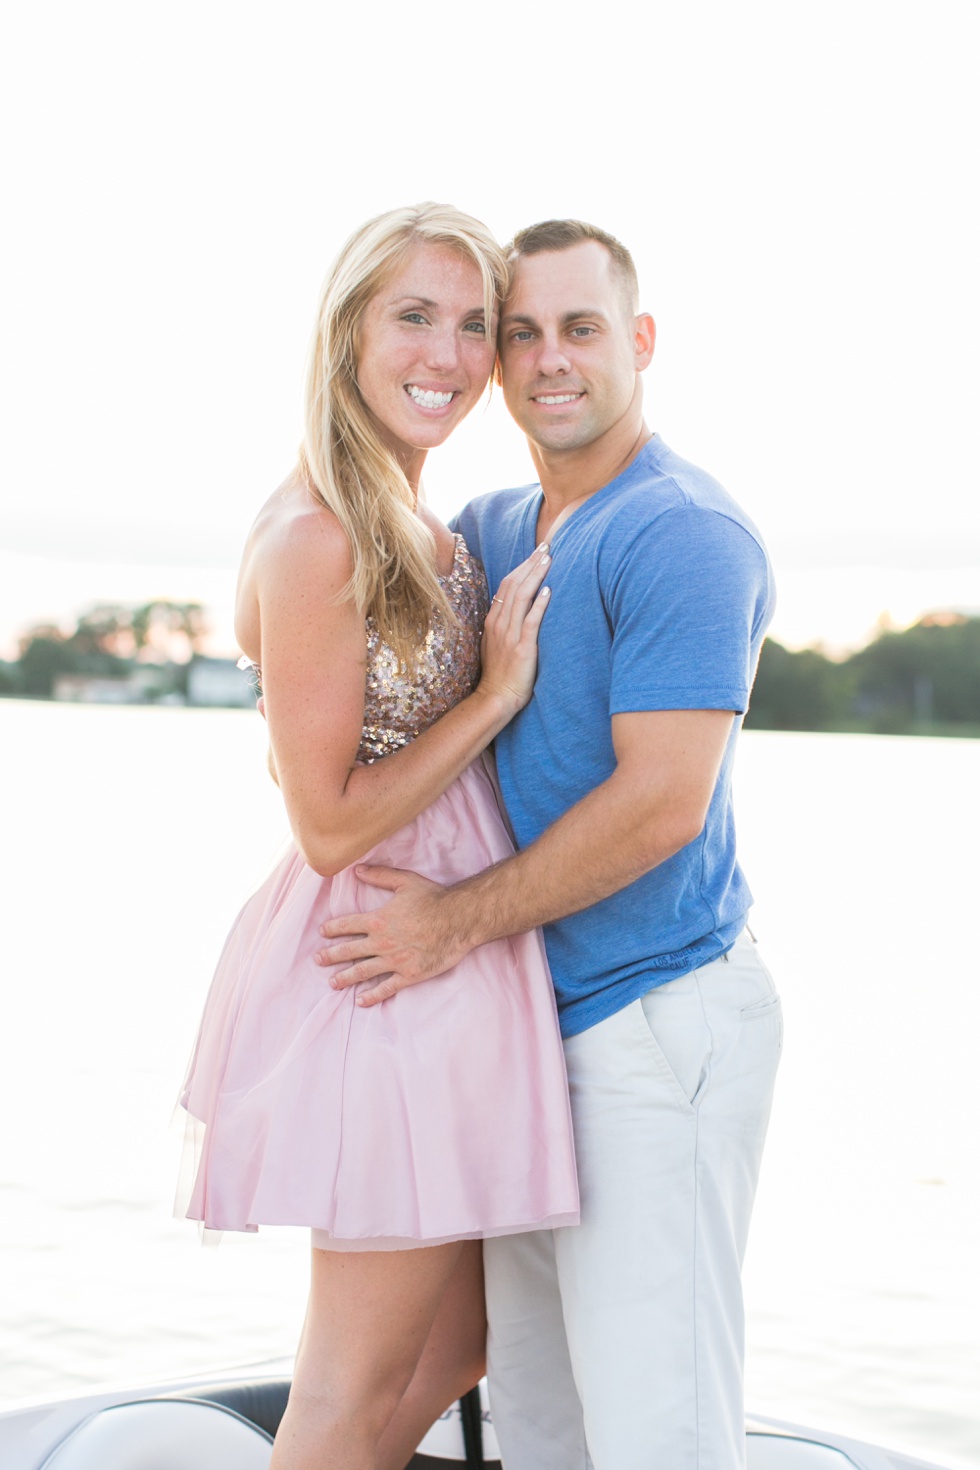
x=562, y=234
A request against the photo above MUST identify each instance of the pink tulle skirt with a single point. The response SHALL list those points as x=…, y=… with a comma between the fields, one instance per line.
x=440, y=1114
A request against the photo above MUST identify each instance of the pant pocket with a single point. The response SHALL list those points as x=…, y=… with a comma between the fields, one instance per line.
x=746, y=980
x=759, y=1009
x=678, y=1036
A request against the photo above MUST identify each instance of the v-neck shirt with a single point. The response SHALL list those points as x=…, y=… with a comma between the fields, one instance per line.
x=661, y=592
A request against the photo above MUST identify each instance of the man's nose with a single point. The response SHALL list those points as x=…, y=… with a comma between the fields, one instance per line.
x=552, y=359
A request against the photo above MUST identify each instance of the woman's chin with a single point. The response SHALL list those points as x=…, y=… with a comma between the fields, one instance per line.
x=429, y=432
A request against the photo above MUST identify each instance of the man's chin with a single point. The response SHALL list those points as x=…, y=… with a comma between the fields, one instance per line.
x=555, y=440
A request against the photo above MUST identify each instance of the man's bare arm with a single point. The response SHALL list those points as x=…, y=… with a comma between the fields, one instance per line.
x=653, y=804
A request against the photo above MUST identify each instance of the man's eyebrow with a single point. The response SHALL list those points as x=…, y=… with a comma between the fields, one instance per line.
x=567, y=317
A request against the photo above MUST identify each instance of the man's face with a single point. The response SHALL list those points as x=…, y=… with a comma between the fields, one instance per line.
x=568, y=346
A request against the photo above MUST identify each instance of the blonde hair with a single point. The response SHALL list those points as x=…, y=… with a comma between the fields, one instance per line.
x=347, y=466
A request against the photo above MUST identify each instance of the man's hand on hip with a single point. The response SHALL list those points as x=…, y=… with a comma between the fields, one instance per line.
x=411, y=938
x=653, y=804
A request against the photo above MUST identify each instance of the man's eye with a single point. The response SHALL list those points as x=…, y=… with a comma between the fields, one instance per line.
x=582, y=331
x=521, y=336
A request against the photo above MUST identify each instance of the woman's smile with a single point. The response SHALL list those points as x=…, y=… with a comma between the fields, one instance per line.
x=430, y=398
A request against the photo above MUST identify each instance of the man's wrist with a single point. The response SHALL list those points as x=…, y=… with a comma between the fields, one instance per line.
x=468, y=912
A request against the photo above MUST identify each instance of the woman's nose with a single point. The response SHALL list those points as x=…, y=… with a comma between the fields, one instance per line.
x=443, y=350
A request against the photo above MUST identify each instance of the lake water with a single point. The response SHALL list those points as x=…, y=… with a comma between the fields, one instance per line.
x=131, y=837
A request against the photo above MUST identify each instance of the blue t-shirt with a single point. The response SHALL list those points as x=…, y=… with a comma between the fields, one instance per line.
x=661, y=595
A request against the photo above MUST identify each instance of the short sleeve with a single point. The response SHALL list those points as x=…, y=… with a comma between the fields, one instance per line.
x=688, y=603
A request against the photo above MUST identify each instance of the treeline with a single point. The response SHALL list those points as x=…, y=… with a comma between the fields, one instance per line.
x=923, y=681
x=111, y=641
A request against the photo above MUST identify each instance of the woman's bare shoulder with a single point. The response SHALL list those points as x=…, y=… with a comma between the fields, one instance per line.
x=295, y=551
x=295, y=534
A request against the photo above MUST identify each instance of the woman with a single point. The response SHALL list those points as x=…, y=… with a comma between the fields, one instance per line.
x=402, y=1133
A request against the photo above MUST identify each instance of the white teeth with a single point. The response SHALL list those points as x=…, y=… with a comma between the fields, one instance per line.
x=428, y=398
x=558, y=398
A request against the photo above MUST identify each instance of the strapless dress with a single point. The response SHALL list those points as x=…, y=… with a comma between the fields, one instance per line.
x=439, y=1114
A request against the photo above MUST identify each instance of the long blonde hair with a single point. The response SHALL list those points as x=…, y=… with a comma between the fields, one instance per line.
x=343, y=458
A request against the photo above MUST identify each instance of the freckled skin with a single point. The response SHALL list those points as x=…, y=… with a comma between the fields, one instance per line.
x=425, y=328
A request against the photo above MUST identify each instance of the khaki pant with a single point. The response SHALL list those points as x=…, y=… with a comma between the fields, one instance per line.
x=618, y=1344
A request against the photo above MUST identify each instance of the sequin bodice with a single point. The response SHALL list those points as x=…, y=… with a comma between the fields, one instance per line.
x=398, y=703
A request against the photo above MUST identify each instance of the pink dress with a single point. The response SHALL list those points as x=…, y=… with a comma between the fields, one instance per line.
x=440, y=1114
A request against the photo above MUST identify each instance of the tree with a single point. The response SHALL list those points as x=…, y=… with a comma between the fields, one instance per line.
x=171, y=629
x=105, y=629
x=107, y=641
x=45, y=653
x=925, y=677
x=930, y=673
x=798, y=691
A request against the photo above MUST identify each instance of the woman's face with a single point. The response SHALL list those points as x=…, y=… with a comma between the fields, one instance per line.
x=424, y=350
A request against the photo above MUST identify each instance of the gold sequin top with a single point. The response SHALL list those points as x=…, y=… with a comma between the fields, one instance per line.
x=399, y=704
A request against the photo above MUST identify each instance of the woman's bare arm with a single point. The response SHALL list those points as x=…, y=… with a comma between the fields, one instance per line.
x=312, y=655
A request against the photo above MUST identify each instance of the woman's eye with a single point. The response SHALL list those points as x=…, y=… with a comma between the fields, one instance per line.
x=479, y=328
x=414, y=317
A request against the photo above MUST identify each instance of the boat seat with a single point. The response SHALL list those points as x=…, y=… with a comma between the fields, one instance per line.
x=232, y=1424
x=261, y=1401
x=163, y=1434
x=763, y=1452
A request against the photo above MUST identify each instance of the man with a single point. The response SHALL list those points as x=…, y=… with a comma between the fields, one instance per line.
x=618, y=1344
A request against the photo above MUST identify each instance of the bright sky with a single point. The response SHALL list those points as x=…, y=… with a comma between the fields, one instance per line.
x=797, y=183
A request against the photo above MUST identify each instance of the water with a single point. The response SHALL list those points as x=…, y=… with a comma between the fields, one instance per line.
x=132, y=836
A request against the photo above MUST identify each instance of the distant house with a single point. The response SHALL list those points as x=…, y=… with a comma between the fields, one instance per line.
x=148, y=684
x=218, y=682
x=96, y=689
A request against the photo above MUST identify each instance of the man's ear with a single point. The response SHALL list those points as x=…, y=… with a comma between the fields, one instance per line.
x=644, y=341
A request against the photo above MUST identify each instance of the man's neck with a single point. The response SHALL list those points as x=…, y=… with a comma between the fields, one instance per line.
x=569, y=477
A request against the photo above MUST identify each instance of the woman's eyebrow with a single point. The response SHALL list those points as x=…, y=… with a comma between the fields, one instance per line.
x=431, y=305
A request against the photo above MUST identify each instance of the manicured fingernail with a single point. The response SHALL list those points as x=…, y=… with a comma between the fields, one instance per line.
x=545, y=560
x=543, y=546
x=545, y=592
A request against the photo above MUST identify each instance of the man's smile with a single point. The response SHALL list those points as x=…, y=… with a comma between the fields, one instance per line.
x=550, y=399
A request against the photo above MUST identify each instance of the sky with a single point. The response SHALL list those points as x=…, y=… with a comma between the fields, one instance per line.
x=797, y=184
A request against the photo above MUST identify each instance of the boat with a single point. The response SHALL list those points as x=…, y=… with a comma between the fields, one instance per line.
x=227, y=1420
